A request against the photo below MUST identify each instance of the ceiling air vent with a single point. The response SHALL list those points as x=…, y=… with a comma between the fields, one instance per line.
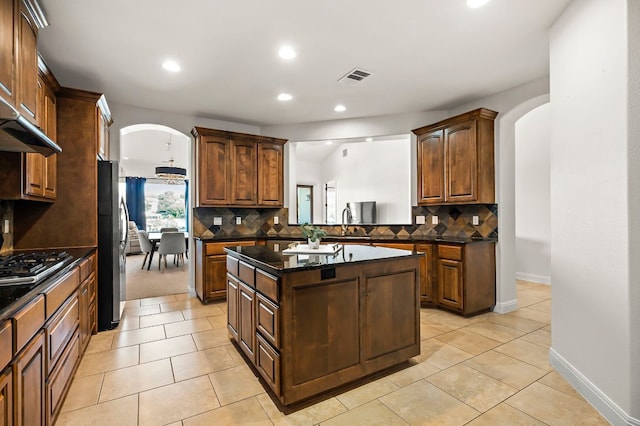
x=356, y=75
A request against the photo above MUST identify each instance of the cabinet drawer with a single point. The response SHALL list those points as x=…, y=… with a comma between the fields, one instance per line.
x=267, y=285
x=61, y=290
x=93, y=319
x=268, y=320
x=60, y=380
x=450, y=252
x=268, y=363
x=27, y=322
x=87, y=267
x=218, y=248
x=60, y=330
x=232, y=265
x=6, y=339
x=247, y=273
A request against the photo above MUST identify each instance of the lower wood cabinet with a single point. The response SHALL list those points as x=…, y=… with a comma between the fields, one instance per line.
x=59, y=380
x=247, y=320
x=426, y=274
x=29, y=375
x=211, y=268
x=466, y=276
x=6, y=397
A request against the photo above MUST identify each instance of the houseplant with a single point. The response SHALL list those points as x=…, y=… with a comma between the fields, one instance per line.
x=313, y=234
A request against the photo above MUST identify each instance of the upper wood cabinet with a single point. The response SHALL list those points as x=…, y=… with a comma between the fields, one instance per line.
x=238, y=169
x=32, y=176
x=456, y=160
x=8, y=38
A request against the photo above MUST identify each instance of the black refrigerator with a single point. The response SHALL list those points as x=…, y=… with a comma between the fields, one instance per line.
x=112, y=239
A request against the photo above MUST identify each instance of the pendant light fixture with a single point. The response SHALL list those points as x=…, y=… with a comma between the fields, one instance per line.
x=171, y=174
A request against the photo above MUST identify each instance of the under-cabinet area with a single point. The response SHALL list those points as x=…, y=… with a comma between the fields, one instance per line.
x=311, y=325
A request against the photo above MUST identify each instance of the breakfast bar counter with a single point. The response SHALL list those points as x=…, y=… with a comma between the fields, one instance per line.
x=312, y=323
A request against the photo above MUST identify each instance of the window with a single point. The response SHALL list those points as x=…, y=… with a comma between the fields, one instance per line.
x=165, y=206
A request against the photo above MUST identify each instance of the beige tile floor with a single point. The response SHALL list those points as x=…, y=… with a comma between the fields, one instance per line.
x=170, y=363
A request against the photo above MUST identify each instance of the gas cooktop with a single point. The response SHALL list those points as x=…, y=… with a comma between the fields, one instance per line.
x=31, y=267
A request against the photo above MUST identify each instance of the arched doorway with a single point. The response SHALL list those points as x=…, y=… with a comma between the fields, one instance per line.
x=156, y=201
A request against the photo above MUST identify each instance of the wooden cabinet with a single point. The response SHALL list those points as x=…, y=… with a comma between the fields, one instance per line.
x=103, y=122
x=6, y=397
x=426, y=273
x=27, y=61
x=211, y=268
x=8, y=38
x=33, y=176
x=247, y=320
x=238, y=169
x=270, y=178
x=466, y=277
x=87, y=301
x=29, y=380
x=456, y=160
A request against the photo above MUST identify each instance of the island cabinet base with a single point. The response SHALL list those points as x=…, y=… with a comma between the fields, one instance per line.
x=326, y=327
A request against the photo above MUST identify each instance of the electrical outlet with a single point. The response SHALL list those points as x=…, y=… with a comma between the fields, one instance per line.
x=238, y=220
x=276, y=220
x=5, y=226
x=217, y=220
x=276, y=247
x=476, y=220
x=420, y=220
x=434, y=220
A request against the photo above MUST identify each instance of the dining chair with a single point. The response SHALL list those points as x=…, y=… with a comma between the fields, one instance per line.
x=171, y=243
x=145, y=245
x=168, y=229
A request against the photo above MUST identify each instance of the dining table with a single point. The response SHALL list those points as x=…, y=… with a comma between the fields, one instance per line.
x=154, y=239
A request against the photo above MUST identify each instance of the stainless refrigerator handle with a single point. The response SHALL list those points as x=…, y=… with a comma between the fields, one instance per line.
x=126, y=222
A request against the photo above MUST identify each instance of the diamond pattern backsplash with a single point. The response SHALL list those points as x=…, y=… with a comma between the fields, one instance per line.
x=453, y=221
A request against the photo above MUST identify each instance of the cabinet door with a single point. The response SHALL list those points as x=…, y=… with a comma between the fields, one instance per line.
x=214, y=171
x=6, y=398
x=461, y=158
x=233, y=292
x=450, y=283
x=215, y=277
x=7, y=49
x=85, y=321
x=27, y=64
x=426, y=273
x=431, y=168
x=270, y=171
x=34, y=169
x=247, y=319
x=29, y=373
x=48, y=118
x=244, y=172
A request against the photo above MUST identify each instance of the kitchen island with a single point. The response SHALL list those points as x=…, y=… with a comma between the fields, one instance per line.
x=312, y=323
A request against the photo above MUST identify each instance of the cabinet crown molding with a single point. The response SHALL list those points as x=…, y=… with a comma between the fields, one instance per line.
x=227, y=134
x=475, y=114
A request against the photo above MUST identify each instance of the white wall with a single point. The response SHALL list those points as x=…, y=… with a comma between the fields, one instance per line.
x=594, y=157
x=533, y=212
x=373, y=171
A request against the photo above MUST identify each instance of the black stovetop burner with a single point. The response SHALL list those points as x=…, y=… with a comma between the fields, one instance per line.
x=30, y=267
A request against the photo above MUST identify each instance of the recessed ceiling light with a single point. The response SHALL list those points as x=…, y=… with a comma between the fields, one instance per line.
x=329, y=142
x=474, y=4
x=287, y=52
x=171, y=66
x=284, y=97
x=340, y=108
x=369, y=139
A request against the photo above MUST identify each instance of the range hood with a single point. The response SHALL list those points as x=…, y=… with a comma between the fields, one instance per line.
x=17, y=134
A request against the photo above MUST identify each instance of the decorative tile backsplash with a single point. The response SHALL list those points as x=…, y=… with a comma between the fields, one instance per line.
x=453, y=221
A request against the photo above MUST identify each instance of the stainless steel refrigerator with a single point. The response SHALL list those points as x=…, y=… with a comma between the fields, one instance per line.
x=112, y=239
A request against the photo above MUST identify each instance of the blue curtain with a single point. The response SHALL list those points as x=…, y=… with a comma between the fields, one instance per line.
x=186, y=203
x=135, y=200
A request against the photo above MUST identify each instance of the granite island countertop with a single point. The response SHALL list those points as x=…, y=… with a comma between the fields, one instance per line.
x=277, y=263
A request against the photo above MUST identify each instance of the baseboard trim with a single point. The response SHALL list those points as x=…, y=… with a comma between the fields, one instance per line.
x=540, y=279
x=590, y=392
x=506, y=307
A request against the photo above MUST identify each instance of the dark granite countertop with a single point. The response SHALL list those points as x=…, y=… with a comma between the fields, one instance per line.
x=265, y=257
x=361, y=239
x=14, y=297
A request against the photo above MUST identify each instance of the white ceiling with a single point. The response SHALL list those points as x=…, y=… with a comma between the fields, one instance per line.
x=144, y=147
x=423, y=54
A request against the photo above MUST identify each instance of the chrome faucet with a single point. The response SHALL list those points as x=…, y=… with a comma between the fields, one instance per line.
x=345, y=223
